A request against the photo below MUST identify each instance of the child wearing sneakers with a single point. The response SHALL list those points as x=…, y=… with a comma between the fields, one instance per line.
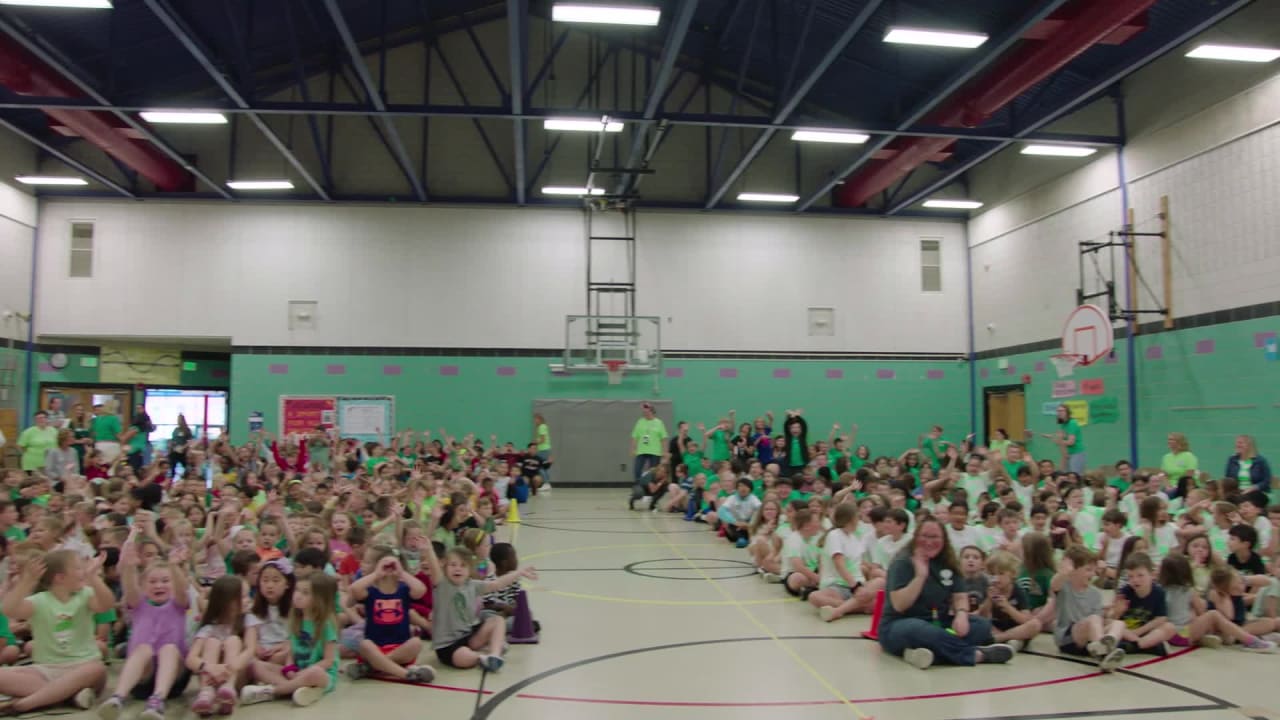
x=800, y=555
x=1141, y=606
x=312, y=670
x=1079, y=628
x=1196, y=624
x=67, y=665
x=844, y=588
x=736, y=511
x=1007, y=605
x=389, y=646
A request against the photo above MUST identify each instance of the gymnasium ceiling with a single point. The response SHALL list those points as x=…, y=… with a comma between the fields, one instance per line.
x=719, y=86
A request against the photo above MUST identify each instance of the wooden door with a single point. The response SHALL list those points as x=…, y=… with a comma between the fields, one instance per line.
x=1006, y=407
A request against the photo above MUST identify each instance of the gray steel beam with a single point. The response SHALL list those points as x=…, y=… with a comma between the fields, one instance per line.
x=165, y=13
x=375, y=98
x=47, y=56
x=66, y=159
x=784, y=112
x=517, y=40
x=992, y=52
x=658, y=90
x=1224, y=11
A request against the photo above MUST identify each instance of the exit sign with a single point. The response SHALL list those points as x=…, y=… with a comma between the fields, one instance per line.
x=188, y=366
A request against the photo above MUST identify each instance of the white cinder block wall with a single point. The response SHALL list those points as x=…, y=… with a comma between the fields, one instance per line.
x=468, y=277
x=1220, y=169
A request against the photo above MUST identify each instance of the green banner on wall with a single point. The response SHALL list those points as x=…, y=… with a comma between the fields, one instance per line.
x=1104, y=410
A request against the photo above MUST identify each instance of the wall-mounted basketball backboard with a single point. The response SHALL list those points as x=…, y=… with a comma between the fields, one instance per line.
x=592, y=342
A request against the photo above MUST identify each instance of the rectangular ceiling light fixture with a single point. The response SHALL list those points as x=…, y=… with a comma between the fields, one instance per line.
x=50, y=180
x=606, y=14
x=81, y=4
x=767, y=197
x=1236, y=53
x=260, y=184
x=568, y=124
x=574, y=191
x=829, y=136
x=953, y=204
x=184, y=117
x=934, y=38
x=1059, y=150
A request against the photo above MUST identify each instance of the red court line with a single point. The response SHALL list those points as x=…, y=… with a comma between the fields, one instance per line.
x=856, y=701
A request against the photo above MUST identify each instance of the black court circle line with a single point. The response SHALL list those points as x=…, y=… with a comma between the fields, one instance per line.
x=702, y=529
x=484, y=711
x=747, y=569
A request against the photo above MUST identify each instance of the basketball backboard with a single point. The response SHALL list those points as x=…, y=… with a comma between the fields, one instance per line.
x=1088, y=334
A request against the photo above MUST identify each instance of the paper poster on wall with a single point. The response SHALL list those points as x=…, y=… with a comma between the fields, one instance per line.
x=1063, y=388
x=1092, y=386
x=1104, y=410
x=367, y=418
x=1272, y=350
x=1049, y=408
x=1002, y=363
x=299, y=415
x=1079, y=410
x=255, y=421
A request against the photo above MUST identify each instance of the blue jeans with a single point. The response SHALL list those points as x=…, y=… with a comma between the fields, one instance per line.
x=903, y=634
x=1077, y=463
x=544, y=456
x=642, y=465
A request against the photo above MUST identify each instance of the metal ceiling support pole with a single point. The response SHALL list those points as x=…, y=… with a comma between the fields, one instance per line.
x=545, y=68
x=66, y=159
x=300, y=73
x=388, y=125
x=484, y=56
x=1224, y=11
x=743, y=64
x=40, y=51
x=784, y=112
x=518, y=43
x=168, y=18
x=658, y=89
x=484, y=134
x=582, y=97
x=992, y=52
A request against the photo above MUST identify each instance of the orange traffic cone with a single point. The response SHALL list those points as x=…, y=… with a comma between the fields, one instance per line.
x=513, y=513
x=874, y=632
x=522, y=632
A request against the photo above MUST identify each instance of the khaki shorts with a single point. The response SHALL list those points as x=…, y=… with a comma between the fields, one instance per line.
x=52, y=673
x=110, y=450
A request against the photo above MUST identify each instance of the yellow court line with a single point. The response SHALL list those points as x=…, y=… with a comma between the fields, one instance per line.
x=741, y=606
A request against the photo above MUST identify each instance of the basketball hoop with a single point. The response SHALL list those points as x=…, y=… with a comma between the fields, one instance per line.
x=615, y=369
x=1066, y=363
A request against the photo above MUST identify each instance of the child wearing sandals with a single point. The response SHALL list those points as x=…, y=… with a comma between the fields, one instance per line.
x=68, y=665
x=389, y=646
x=311, y=671
x=157, y=604
x=461, y=637
x=217, y=655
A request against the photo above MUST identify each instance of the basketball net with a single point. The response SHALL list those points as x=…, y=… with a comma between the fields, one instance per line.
x=1066, y=363
x=615, y=368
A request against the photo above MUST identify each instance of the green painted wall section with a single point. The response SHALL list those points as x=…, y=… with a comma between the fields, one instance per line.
x=890, y=411
x=1211, y=383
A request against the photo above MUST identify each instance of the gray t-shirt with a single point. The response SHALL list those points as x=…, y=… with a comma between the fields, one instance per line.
x=934, y=603
x=976, y=588
x=1178, y=603
x=455, y=611
x=1073, y=606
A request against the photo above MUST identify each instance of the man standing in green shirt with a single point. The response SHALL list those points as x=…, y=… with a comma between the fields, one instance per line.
x=648, y=438
x=105, y=431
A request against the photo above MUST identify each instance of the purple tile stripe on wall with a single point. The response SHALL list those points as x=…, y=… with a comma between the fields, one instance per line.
x=1260, y=339
x=935, y=374
x=1204, y=347
x=884, y=374
x=335, y=369
x=1011, y=370
x=392, y=369
x=1155, y=352
x=835, y=374
x=728, y=372
x=448, y=369
x=506, y=371
x=220, y=372
x=279, y=369
x=46, y=368
x=675, y=372
x=782, y=373
x=985, y=373
x=1040, y=367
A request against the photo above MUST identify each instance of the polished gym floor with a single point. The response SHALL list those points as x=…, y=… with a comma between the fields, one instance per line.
x=646, y=616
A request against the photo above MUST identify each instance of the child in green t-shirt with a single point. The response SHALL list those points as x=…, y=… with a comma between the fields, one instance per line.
x=312, y=668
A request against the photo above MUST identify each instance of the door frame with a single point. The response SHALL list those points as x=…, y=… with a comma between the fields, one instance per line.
x=987, y=392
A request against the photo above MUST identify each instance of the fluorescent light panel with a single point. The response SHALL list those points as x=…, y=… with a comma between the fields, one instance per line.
x=50, y=180
x=606, y=14
x=767, y=197
x=1059, y=150
x=953, y=204
x=82, y=4
x=575, y=191
x=184, y=117
x=934, y=38
x=583, y=125
x=1236, y=53
x=260, y=184
x=829, y=136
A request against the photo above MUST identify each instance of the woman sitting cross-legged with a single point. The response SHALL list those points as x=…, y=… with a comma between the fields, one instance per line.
x=927, y=616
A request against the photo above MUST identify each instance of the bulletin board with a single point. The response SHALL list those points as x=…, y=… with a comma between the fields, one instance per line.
x=301, y=414
x=367, y=418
